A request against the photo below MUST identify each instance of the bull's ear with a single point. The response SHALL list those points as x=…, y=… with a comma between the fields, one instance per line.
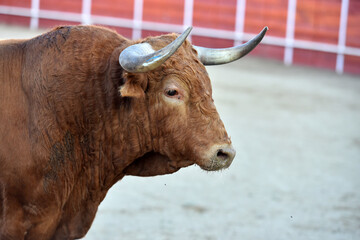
x=134, y=86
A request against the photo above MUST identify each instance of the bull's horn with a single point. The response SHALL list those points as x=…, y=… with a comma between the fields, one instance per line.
x=143, y=58
x=213, y=56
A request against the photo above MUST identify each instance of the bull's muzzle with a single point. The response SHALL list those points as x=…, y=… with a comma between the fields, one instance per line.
x=220, y=157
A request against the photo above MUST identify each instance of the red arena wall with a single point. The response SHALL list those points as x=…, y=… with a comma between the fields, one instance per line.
x=320, y=33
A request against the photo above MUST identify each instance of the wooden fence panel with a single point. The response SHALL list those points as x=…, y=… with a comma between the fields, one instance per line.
x=63, y=5
x=113, y=8
x=214, y=14
x=15, y=20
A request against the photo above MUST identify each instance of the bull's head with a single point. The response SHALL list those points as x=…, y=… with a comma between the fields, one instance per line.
x=185, y=126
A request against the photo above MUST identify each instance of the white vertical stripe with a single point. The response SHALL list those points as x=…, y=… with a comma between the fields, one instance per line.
x=34, y=22
x=188, y=15
x=240, y=21
x=137, y=22
x=342, y=36
x=290, y=32
x=86, y=12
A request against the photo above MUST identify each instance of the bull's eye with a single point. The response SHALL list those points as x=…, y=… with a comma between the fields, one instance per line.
x=171, y=92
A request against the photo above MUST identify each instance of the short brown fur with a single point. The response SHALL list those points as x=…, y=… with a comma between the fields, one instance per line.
x=73, y=123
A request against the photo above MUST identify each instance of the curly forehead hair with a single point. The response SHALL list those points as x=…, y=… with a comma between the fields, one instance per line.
x=184, y=60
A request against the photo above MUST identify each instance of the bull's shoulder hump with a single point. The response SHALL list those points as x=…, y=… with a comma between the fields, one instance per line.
x=81, y=33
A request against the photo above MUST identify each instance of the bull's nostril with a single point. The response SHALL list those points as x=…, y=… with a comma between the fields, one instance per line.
x=222, y=155
x=225, y=154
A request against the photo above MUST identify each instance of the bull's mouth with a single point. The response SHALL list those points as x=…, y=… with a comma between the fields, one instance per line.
x=153, y=163
x=215, y=165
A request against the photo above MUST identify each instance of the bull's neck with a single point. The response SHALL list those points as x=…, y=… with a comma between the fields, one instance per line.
x=124, y=132
x=130, y=134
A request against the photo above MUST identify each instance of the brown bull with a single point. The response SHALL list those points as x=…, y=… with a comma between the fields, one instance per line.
x=81, y=107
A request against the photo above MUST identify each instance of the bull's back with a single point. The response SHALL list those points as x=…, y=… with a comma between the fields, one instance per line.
x=13, y=106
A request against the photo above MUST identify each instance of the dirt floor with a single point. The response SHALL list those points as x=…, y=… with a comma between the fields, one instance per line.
x=296, y=174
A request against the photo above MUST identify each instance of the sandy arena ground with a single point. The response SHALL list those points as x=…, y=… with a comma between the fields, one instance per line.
x=296, y=174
